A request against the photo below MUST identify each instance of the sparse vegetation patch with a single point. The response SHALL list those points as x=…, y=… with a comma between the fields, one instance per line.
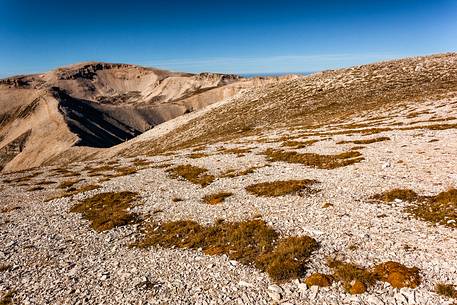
x=5, y=267
x=216, y=198
x=446, y=290
x=194, y=174
x=357, y=279
x=125, y=171
x=280, y=188
x=315, y=160
x=68, y=183
x=107, y=210
x=7, y=298
x=299, y=144
x=402, y=194
x=73, y=191
x=397, y=275
x=231, y=173
x=250, y=242
x=198, y=155
x=22, y=179
x=366, y=141
x=237, y=151
x=439, y=209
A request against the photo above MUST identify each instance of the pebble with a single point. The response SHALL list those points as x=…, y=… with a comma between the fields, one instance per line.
x=275, y=296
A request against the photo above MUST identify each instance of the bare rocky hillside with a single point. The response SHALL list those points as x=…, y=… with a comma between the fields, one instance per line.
x=335, y=188
x=97, y=105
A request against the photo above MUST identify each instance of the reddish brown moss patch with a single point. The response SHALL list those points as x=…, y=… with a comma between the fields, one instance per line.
x=397, y=275
x=318, y=279
x=365, y=141
x=280, y=188
x=355, y=279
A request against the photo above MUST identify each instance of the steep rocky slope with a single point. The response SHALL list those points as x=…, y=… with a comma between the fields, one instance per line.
x=97, y=105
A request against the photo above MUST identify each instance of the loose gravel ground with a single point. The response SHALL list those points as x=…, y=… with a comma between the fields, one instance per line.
x=54, y=257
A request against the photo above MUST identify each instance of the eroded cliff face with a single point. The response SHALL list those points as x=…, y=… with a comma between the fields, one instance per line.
x=98, y=105
x=12, y=149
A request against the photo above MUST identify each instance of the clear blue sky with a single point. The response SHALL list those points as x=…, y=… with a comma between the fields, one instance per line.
x=223, y=36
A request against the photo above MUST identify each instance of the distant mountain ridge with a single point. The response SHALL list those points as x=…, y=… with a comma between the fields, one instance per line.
x=97, y=105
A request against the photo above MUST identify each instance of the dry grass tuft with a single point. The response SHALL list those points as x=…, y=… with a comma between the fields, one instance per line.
x=439, y=209
x=280, y=188
x=237, y=151
x=299, y=144
x=446, y=290
x=35, y=188
x=357, y=148
x=7, y=298
x=327, y=205
x=397, y=275
x=46, y=182
x=231, y=173
x=198, y=155
x=402, y=194
x=5, y=267
x=125, y=171
x=68, y=183
x=288, y=259
x=107, y=210
x=194, y=174
x=357, y=279
x=366, y=141
x=22, y=179
x=250, y=242
x=142, y=163
x=99, y=170
x=315, y=160
x=216, y=198
x=9, y=208
x=318, y=279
